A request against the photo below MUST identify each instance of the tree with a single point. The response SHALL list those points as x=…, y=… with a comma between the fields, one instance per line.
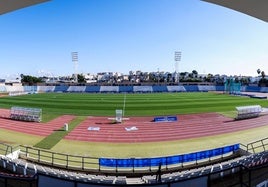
x=245, y=80
x=209, y=77
x=169, y=77
x=263, y=74
x=152, y=77
x=258, y=71
x=263, y=81
x=183, y=75
x=81, y=78
x=30, y=80
x=195, y=73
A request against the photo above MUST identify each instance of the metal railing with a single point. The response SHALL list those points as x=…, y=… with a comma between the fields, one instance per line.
x=93, y=165
x=257, y=146
x=61, y=160
x=6, y=149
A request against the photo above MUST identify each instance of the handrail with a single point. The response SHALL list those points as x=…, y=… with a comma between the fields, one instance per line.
x=6, y=149
x=132, y=165
x=97, y=165
x=258, y=146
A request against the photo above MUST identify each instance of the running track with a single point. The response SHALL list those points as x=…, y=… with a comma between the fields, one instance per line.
x=34, y=128
x=188, y=126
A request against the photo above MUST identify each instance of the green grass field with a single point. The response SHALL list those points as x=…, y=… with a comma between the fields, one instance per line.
x=82, y=104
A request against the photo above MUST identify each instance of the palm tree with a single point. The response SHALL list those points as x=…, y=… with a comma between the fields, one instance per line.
x=258, y=71
x=195, y=73
x=263, y=74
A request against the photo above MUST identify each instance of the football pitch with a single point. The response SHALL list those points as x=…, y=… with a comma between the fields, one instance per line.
x=149, y=104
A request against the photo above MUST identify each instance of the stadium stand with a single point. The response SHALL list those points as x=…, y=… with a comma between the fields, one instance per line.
x=61, y=88
x=234, y=172
x=111, y=89
x=252, y=89
x=14, y=88
x=160, y=89
x=124, y=89
x=45, y=89
x=3, y=89
x=206, y=88
x=17, y=93
x=263, y=89
x=219, y=88
x=200, y=175
x=76, y=89
x=191, y=88
x=142, y=89
x=30, y=89
x=92, y=89
x=176, y=89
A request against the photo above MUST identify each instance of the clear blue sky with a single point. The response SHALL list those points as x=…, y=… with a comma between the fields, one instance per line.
x=124, y=35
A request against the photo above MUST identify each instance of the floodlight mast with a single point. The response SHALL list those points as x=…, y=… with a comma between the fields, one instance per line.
x=75, y=61
x=177, y=58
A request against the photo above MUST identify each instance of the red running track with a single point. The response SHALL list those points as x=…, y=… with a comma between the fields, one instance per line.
x=187, y=126
x=34, y=128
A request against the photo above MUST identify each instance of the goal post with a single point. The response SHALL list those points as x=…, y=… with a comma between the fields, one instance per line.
x=118, y=116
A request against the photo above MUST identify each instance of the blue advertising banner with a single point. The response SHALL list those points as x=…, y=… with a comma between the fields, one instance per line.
x=165, y=119
x=177, y=159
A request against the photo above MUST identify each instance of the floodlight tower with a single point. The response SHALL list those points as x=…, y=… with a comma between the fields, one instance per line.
x=177, y=58
x=75, y=61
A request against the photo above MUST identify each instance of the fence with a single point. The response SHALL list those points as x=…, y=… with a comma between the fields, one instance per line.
x=257, y=146
x=59, y=159
x=128, y=165
x=6, y=149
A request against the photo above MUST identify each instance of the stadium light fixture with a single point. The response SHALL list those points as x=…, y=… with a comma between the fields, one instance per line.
x=75, y=61
x=177, y=59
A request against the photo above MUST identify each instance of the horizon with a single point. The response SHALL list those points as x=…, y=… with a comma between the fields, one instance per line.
x=125, y=35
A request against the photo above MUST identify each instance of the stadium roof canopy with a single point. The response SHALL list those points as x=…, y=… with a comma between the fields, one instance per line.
x=11, y=5
x=255, y=8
